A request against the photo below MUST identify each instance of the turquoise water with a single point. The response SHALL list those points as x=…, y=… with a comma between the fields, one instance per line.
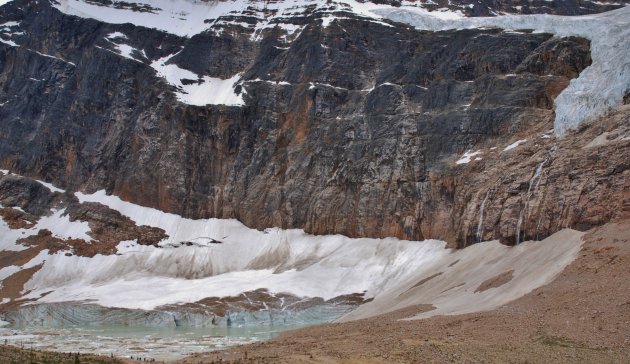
x=160, y=343
x=160, y=335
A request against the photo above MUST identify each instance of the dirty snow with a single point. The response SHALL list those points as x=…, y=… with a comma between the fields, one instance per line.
x=453, y=292
x=288, y=261
x=514, y=145
x=606, y=138
x=468, y=156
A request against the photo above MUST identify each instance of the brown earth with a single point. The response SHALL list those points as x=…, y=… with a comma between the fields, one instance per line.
x=13, y=286
x=17, y=219
x=496, y=281
x=581, y=317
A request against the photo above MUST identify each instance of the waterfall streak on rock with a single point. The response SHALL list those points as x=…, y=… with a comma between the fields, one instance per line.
x=480, y=222
x=534, y=182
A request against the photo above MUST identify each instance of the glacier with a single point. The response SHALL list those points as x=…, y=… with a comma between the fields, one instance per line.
x=219, y=258
x=598, y=89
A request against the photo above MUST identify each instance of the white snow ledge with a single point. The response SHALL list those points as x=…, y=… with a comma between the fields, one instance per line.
x=597, y=90
x=205, y=91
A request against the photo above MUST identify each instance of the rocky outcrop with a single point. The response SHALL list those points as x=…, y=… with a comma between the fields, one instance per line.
x=348, y=128
x=541, y=186
x=25, y=201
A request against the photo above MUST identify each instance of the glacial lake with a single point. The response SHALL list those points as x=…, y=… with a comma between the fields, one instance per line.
x=159, y=343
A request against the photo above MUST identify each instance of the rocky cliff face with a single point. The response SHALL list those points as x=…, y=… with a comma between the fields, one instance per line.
x=495, y=7
x=330, y=121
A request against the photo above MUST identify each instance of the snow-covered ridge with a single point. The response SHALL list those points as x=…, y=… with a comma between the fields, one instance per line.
x=187, y=17
x=598, y=89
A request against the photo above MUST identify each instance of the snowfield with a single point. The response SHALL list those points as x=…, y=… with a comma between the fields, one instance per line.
x=225, y=258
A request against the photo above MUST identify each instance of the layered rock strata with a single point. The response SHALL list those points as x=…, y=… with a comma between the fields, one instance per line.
x=346, y=126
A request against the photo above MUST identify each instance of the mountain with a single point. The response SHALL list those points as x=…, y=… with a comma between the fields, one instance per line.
x=303, y=115
x=220, y=148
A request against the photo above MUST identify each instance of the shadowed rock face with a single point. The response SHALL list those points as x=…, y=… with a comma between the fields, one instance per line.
x=351, y=128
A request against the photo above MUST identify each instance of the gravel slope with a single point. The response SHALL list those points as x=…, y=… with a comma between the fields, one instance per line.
x=582, y=316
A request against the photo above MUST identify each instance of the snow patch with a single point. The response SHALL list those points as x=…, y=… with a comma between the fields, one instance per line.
x=61, y=227
x=199, y=91
x=245, y=259
x=187, y=18
x=53, y=57
x=468, y=156
x=40, y=258
x=514, y=145
x=51, y=187
x=57, y=223
x=328, y=267
x=18, y=208
x=598, y=89
x=8, y=237
x=327, y=20
x=127, y=51
x=10, y=24
x=123, y=49
x=9, y=42
x=115, y=35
